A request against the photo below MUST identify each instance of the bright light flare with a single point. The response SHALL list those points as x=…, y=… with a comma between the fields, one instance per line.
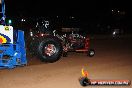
x=84, y=73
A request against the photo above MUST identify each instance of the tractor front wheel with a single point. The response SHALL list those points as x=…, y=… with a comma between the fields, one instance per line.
x=91, y=52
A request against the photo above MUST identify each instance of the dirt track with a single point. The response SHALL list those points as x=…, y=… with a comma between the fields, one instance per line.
x=113, y=60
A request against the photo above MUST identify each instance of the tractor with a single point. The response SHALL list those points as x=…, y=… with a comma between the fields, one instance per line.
x=12, y=44
x=76, y=42
x=43, y=42
x=13, y=47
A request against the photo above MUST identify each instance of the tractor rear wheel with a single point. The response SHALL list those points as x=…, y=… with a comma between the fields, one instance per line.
x=49, y=49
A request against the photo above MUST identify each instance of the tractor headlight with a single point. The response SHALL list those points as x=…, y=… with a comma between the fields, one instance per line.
x=31, y=33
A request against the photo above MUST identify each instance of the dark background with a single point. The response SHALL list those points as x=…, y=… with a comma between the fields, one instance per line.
x=89, y=15
x=63, y=7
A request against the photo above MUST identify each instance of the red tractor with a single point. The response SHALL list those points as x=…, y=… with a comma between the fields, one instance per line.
x=78, y=43
x=43, y=43
x=50, y=46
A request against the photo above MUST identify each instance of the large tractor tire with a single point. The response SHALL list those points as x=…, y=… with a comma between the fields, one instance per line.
x=49, y=49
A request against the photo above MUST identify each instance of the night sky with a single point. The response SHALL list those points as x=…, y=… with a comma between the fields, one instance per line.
x=88, y=13
x=62, y=7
